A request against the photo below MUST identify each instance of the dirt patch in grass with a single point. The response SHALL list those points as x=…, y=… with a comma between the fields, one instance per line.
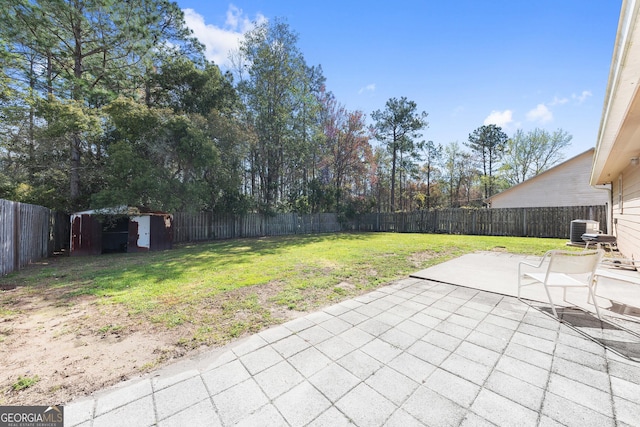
x=419, y=258
x=73, y=349
x=77, y=346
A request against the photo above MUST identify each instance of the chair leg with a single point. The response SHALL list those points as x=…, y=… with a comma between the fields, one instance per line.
x=592, y=296
x=519, y=280
x=553, y=307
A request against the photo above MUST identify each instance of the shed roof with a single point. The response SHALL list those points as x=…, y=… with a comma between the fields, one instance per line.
x=121, y=210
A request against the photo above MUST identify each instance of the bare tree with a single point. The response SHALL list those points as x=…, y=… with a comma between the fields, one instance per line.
x=529, y=154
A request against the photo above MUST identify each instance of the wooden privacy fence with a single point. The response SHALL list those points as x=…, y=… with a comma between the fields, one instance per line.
x=189, y=227
x=28, y=233
x=520, y=222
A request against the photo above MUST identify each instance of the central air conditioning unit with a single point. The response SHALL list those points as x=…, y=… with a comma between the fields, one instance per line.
x=582, y=226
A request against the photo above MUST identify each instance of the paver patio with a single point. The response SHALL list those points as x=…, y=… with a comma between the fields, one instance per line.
x=416, y=352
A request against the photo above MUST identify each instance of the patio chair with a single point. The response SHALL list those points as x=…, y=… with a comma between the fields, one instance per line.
x=564, y=269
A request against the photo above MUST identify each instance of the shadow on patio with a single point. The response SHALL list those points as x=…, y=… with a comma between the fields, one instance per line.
x=619, y=330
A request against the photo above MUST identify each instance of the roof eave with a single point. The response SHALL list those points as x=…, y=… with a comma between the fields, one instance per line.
x=619, y=123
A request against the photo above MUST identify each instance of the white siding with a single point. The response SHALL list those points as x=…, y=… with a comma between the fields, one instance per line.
x=566, y=184
x=626, y=218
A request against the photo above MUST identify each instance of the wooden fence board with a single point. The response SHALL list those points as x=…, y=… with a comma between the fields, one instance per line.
x=6, y=237
x=28, y=233
x=189, y=227
x=520, y=222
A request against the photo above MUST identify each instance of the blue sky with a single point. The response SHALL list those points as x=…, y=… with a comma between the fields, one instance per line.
x=518, y=64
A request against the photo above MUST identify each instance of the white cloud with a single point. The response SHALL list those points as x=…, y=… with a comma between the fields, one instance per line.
x=219, y=41
x=582, y=97
x=540, y=114
x=234, y=17
x=368, y=88
x=499, y=118
x=558, y=101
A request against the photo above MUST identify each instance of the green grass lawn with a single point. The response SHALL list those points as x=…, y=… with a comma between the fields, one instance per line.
x=241, y=283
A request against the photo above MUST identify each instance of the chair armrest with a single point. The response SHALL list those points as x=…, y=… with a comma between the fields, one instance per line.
x=539, y=264
x=530, y=264
x=535, y=266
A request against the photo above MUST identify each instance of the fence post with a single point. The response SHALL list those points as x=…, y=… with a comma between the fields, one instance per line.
x=474, y=220
x=16, y=236
x=524, y=223
x=435, y=221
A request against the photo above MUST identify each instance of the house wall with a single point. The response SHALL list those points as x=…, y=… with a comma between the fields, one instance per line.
x=626, y=211
x=564, y=185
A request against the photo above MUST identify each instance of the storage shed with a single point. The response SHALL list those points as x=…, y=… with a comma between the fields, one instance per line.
x=121, y=229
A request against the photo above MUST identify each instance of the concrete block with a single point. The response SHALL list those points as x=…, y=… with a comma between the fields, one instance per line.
x=334, y=381
x=513, y=388
x=582, y=394
x=200, y=414
x=224, y=377
x=239, y=401
x=413, y=367
x=278, y=379
x=366, y=407
x=122, y=395
x=465, y=368
x=136, y=413
x=433, y=409
x=568, y=412
x=334, y=348
x=301, y=404
x=502, y=411
x=452, y=387
x=290, y=345
x=179, y=396
x=391, y=384
x=360, y=364
x=309, y=361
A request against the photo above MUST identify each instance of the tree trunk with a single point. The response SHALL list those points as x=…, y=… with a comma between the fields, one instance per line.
x=76, y=142
x=393, y=178
x=428, y=185
x=74, y=170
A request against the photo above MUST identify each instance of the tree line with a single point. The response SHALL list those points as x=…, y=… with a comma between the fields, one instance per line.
x=108, y=103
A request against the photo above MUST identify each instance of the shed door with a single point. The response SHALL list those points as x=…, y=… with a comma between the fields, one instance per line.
x=161, y=232
x=86, y=235
x=138, y=234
